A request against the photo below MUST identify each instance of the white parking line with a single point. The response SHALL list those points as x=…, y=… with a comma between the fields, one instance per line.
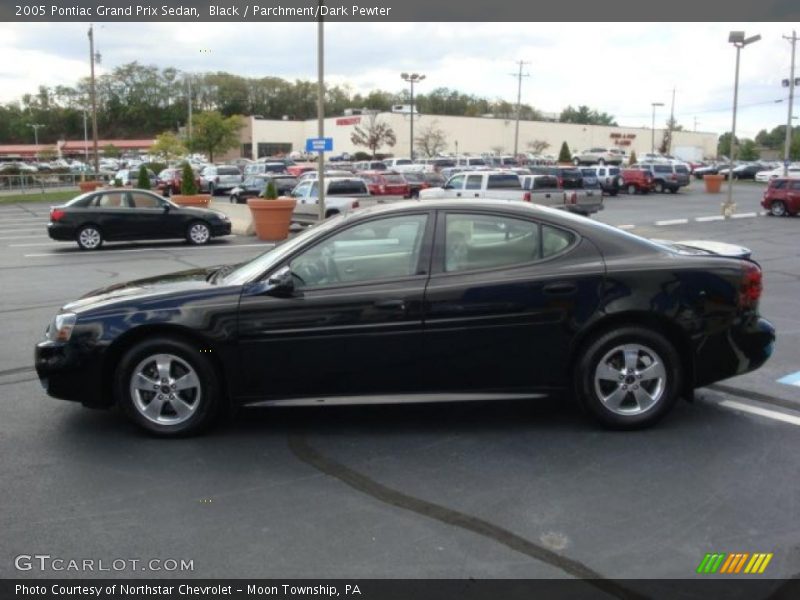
x=625, y=226
x=104, y=252
x=23, y=237
x=672, y=222
x=744, y=215
x=35, y=244
x=761, y=412
x=712, y=218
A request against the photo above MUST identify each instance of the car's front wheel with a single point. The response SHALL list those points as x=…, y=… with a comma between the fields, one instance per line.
x=198, y=233
x=777, y=208
x=659, y=187
x=168, y=387
x=628, y=378
x=89, y=237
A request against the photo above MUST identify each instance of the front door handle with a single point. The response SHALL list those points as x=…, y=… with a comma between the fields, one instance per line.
x=391, y=304
x=560, y=289
x=458, y=194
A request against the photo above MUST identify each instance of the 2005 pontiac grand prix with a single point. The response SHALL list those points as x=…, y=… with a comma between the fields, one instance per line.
x=419, y=301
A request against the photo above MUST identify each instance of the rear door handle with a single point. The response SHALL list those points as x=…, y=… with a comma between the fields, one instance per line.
x=560, y=289
x=391, y=304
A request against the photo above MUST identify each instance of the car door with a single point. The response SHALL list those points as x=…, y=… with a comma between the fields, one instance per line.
x=152, y=217
x=793, y=196
x=353, y=324
x=454, y=188
x=505, y=296
x=111, y=212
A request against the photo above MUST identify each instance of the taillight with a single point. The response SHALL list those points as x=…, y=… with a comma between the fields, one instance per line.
x=355, y=204
x=751, y=287
x=526, y=196
x=56, y=214
x=382, y=189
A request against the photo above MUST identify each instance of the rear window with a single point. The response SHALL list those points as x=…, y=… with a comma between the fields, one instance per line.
x=81, y=201
x=545, y=182
x=503, y=182
x=403, y=161
x=227, y=171
x=476, y=162
x=778, y=184
x=589, y=172
x=348, y=186
x=571, y=173
x=613, y=171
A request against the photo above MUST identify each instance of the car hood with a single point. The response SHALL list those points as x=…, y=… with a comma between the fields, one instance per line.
x=188, y=281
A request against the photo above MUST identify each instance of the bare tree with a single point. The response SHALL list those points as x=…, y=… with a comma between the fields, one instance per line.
x=431, y=140
x=497, y=149
x=374, y=134
x=537, y=146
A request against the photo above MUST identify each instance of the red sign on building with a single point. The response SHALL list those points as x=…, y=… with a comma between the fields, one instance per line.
x=348, y=121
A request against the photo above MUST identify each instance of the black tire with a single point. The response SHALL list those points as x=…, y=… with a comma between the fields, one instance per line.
x=659, y=187
x=629, y=413
x=198, y=233
x=778, y=208
x=631, y=189
x=89, y=237
x=205, y=403
x=330, y=213
x=672, y=190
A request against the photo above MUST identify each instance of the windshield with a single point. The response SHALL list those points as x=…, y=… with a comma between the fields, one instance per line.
x=250, y=271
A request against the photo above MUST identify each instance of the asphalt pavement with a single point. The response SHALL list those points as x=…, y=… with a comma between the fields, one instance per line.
x=483, y=490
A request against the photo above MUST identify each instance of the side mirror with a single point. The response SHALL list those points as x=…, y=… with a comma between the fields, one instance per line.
x=281, y=283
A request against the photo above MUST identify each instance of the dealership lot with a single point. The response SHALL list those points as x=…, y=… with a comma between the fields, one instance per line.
x=463, y=490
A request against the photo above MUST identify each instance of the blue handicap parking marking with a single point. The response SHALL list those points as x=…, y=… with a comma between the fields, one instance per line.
x=791, y=379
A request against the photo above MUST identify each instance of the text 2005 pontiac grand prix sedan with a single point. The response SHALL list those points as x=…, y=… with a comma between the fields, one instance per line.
x=418, y=301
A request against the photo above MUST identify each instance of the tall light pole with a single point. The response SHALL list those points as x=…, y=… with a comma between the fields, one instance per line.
x=189, y=102
x=36, y=127
x=791, y=83
x=85, y=140
x=321, y=111
x=94, y=101
x=412, y=79
x=653, y=127
x=519, y=77
x=739, y=41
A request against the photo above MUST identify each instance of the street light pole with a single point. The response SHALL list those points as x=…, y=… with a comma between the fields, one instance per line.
x=94, y=102
x=321, y=111
x=738, y=40
x=36, y=127
x=519, y=77
x=788, y=143
x=412, y=79
x=653, y=127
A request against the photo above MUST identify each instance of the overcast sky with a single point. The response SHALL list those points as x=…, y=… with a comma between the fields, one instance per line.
x=618, y=68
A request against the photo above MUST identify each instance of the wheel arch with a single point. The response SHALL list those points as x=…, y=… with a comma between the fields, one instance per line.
x=114, y=353
x=648, y=320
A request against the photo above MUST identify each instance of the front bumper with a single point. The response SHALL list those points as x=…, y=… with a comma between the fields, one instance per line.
x=68, y=373
x=223, y=228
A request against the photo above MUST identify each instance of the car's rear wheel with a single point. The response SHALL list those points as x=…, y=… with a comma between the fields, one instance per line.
x=672, y=190
x=628, y=378
x=89, y=237
x=198, y=233
x=777, y=208
x=168, y=387
x=659, y=187
x=631, y=189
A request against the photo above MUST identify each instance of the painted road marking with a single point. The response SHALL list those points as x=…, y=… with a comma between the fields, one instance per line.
x=35, y=244
x=626, y=226
x=744, y=215
x=672, y=222
x=712, y=218
x=167, y=249
x=791, y=379
x=761, y=412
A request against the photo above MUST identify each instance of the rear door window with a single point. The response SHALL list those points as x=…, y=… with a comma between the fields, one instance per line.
x=503, y=182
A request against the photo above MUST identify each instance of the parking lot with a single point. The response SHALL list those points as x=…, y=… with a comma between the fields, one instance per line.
x=503, y=490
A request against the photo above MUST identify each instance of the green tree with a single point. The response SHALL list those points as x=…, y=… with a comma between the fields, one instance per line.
x=724, y=145
x=748, y=150
x=374, y=134
x=143, y=182
x=585, y=116
x=188, y=184
x=564, y=155
x=168, y=146
x=111, y=151
x=213, y=133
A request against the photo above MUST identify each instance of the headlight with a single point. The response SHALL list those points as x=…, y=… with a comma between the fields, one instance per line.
x=60, y=329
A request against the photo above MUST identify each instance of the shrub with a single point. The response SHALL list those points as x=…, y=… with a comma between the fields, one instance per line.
x=117, y=182
x=271, y=192
x=188, y=185
x=156, y=167
x=564, y=155
x=359, y=156
x=143, y=182
x=632, y=159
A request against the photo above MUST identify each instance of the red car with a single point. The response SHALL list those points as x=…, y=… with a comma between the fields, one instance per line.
x=169, y=181
x=782, y=197
x=298, y=169
x=382, y=183
x=636, y=181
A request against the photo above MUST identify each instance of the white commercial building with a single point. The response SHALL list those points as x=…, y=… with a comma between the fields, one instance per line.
x=468, y=135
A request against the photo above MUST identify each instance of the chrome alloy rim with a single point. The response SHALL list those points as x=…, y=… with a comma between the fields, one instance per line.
x=199, y=233
x=90, y=238
x=630, y=379
x=165, y=389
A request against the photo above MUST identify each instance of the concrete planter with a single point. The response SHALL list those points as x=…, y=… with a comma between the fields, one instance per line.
x=272, y=217
x=713, y=183
x=89, y=186
x=200, y=200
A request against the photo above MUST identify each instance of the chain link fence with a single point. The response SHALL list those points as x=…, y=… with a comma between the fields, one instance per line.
x=24, y=183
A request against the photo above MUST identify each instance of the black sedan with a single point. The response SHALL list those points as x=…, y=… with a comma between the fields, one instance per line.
x=444, y=300
x=254, y=186
x=130, y=214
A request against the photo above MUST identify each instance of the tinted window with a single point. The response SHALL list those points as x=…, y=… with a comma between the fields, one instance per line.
x=474, y=182
x=501, y=182
x=613, y=171
x=555, y=240
x=571, y=173
x=476, y=162
x=381, y=249
x=82, y=201
x=228, y=171
x=589, y=172
x=795, y=185
x=545, y=182
x=681, y=169
x=301, y=190
x=347, y=186
x=145, y=201
x=484, y=241
x=394, y=179
x=112, y=200
x=662, y=168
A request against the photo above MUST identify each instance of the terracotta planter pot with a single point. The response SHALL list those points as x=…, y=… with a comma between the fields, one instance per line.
x=89, y=186
x=272, y=217
x=201, y=200
x=713, y=183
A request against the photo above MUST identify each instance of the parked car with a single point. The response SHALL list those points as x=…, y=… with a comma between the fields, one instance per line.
x=170, y=181
x=342, y=195
x=254, y=186
x=782, y=197
x=570, y=178
x=748, y=171
x=590, y=179
x=700, y=172
x=262, y=168
x=599, y=156
x=764, y=176
x=401, y=165
x=130, y=214
x=436, y=164
x=386, y=183
x=609, y=178
x=314, y=175
x=636, y=181
x=500, y=300
x=470, y=162
x=369, y=165
x=130, y=177
x=220, y=179
x=666, y=178
x=418, y=181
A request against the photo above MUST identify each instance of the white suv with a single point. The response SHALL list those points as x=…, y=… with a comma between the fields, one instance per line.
x=600, y=156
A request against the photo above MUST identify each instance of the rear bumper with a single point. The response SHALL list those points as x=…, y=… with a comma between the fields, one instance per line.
x=68, y=373
x=737, y=351
x=60, y=232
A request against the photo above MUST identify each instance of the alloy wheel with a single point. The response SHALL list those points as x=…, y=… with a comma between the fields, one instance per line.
x=165, y=389
x=89, y=238
x=777, y=209
x=199, y=233
x=630, y=379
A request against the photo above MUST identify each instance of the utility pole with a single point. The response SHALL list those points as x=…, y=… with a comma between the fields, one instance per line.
x=189, y=102
x=36, y=127
x=94, y=102
x=792, y=83
x=321, y=111
x=519, y=77
x=411, y=79
x=671, y=121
